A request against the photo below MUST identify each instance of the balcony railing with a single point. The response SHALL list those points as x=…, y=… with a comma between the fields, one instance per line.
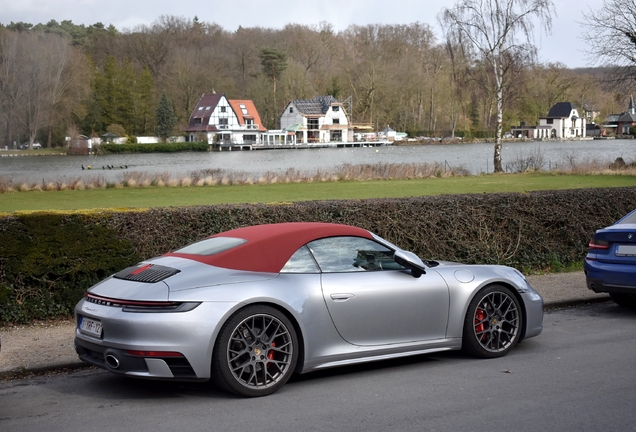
x=239, y=127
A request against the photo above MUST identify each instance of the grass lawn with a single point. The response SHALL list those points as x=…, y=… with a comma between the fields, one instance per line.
x=269, y=193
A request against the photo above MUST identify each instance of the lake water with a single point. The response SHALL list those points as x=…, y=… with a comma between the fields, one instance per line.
x=474, y=157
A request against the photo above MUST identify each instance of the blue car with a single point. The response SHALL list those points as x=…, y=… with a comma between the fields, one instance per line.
x=610, y=264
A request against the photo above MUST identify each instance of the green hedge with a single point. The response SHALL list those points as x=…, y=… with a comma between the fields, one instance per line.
x=48, y=260
x=154, y=148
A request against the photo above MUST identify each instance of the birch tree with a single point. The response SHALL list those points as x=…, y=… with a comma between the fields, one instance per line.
x=498, y=30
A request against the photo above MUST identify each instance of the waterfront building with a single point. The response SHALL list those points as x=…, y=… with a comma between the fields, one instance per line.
x=319, y=120
x=222, y=121
x=620, y=124
x=562, y=122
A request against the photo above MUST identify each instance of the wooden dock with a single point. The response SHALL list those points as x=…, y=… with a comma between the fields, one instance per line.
x=247, y=147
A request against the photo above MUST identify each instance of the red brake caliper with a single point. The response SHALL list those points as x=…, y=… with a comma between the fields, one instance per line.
x=270, y=353
x=480, y=315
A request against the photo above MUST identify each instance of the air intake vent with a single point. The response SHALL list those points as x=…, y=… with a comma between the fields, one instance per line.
x=148, y=273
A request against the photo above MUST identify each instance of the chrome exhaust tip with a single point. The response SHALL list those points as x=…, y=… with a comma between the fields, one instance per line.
x=112, y=361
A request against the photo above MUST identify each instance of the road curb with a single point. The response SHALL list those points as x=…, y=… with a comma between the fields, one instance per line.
x=38, y=370
x=574, y=302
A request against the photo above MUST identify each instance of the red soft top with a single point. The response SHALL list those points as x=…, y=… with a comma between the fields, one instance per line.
x=269, y=247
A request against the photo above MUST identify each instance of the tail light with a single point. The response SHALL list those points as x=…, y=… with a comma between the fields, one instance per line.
x=598, y=244
x=142, y=306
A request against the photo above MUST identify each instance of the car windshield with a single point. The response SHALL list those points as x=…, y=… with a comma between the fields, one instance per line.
x=211, y=246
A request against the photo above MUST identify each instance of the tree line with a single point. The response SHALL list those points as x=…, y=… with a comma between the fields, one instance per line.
x=62, y=79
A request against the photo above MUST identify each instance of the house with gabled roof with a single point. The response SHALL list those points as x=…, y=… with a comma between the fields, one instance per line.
x=219, y=120
x=621, y=123
x=563, y=121
x=319, y=120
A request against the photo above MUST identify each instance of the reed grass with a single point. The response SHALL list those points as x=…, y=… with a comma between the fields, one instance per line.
x=343, y=173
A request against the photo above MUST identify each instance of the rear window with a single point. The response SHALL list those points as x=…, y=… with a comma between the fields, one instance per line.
x=629, y=219
x=212, y=246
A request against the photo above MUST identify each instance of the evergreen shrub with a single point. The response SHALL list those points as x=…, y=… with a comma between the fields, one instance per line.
x=47, y=261
x=154, y=148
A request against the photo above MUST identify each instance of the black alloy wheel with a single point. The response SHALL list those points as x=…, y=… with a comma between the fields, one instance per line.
x=256, y=352
x=492, y=326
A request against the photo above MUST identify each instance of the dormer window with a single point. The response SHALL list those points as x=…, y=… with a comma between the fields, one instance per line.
x=197, y=121
x=335, y=108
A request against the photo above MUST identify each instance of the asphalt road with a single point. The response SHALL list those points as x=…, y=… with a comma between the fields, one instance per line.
x=579, y=375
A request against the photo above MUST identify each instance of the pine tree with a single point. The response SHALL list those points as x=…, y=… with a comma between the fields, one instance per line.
x=143, y=102
x=166, y=119
x=273, y=64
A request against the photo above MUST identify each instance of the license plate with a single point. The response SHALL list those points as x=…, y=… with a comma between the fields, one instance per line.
x=91, y=326
x=626, y=250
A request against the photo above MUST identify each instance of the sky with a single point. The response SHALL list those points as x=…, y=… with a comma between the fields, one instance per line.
x=564, y=45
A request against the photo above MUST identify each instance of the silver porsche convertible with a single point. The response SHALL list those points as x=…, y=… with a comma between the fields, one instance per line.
x=249, y=307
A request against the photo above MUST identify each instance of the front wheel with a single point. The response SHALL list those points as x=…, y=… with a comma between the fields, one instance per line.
x=255, y=353
x=492, y=326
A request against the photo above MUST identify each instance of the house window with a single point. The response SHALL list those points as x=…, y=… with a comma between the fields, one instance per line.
x=549, y=121
x=200, y=108
x=222, y=109
x=291, y=110
x=249, y=121
x=197, y=121
x=335, y=108
x=223, y=121
x=243, y=109
x=336, y=121
x=312, y=123
x=207, y=108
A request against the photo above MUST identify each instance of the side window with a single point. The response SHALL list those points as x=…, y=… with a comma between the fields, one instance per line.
x=350, y=254
x=301, y=262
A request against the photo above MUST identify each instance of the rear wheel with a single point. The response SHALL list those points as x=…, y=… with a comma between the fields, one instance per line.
x=492, y=326
x=625, y=300
x=255, y=353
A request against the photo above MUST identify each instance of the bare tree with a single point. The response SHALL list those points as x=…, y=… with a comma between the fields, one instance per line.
x=458, y=67
x=499, y=30
x=68, y=84
x=10, y=100
x=611, y=36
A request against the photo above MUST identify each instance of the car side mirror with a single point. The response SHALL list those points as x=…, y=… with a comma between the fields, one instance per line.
x=410, y=261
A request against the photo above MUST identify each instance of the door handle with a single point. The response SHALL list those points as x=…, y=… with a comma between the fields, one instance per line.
x=340, y=297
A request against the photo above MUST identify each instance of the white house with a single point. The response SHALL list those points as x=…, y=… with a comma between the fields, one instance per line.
x=318, y=120
x=388, y=133
x=562, y=121
x=219, y=120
